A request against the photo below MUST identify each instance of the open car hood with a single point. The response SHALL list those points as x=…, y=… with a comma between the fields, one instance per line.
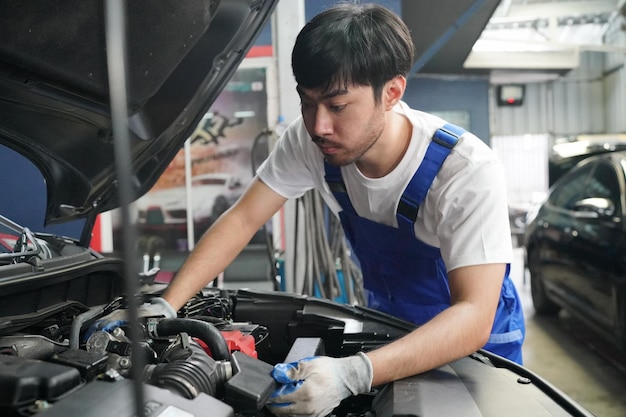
x=54, y=88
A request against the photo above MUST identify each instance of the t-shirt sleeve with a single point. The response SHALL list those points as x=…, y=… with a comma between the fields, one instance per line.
x=288, y=168
x=474, y=227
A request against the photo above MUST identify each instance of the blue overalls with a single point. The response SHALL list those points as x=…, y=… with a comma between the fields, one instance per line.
x=404, y=276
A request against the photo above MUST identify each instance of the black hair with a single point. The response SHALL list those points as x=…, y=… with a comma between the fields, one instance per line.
x=352, y=44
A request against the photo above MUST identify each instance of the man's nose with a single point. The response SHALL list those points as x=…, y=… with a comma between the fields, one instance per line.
x=323, y=122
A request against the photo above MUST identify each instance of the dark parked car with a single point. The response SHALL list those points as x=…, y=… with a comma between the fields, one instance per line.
x=565, y=155
x=214, y=358
x=576, y=247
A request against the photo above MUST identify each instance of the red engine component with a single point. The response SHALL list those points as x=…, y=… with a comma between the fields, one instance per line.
x=237, y=341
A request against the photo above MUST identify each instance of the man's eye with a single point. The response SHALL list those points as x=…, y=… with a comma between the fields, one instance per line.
x=338, y=107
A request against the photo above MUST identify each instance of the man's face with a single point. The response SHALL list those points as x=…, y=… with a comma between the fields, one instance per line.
x=344, y=123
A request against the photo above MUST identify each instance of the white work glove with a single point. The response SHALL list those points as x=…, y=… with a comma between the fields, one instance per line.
x=157, y=307
x=315, y=386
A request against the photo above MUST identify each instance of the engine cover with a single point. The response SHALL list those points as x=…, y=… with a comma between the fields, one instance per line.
x=115, y=398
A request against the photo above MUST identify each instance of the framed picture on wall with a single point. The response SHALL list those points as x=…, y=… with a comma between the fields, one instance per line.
x=209, y=173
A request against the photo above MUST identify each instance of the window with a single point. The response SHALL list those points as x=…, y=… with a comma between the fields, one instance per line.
x=570, y=189
x=603, y=183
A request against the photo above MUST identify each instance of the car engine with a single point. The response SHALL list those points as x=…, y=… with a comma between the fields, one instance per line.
x=213, y=355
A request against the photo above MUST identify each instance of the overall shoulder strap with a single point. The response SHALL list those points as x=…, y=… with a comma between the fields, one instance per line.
x=338, y=187
x=414, y=194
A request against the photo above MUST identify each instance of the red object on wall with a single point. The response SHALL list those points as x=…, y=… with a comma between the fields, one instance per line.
x=96, y=236
x=260, y=50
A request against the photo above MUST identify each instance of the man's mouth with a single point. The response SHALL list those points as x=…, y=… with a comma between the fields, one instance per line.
x=327, y=149
x=325, y=146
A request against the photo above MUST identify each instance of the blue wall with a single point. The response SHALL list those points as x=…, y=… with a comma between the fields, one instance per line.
x=313, y=7
x=463, y=94
x=24, y=195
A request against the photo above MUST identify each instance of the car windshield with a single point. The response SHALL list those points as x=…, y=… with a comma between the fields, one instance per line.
x=17, y=243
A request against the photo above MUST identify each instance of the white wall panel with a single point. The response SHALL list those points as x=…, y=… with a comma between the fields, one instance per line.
x=615, y=86
x=525, y=160
x=615, y=82
x=569, y=105
x=589, y=99
x=531, y=117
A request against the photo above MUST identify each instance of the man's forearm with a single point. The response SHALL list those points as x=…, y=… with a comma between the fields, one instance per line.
x=224, y=240
x=213, y=253
x=454, y=333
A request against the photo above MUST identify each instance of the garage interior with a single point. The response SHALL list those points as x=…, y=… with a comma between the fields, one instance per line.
x=555, y=49
x=558, y=51
x=525, y=76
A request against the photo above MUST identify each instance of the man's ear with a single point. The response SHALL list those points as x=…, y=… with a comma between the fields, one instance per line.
x=393, y=91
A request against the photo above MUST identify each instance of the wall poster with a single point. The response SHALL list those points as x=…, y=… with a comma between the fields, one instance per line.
x=219, y=156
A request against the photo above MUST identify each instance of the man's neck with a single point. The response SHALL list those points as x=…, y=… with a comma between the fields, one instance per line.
x=388, y=151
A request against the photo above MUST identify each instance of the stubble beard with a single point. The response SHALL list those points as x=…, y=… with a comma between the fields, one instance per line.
x=374, y=131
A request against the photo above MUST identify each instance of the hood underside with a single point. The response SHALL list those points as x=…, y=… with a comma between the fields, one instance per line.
x=54, y=88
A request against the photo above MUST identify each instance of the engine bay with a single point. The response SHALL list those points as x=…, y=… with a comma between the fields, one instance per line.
x=222, y=345
x=216, y=357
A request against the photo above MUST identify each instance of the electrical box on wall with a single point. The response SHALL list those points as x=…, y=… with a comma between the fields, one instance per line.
x=510, y=94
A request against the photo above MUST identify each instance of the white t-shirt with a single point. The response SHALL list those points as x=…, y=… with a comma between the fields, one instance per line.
x=464, y=214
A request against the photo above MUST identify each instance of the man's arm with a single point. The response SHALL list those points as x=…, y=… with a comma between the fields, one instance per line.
x=458, y=331
x=224, y=240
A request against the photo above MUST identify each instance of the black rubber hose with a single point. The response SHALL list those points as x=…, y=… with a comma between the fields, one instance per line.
x=196, y=328
x=78, y=322
x=188, y=371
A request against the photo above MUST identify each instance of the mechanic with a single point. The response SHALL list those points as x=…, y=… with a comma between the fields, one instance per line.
x=422, y=202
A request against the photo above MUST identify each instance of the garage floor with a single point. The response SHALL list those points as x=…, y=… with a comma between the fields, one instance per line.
x=571, y=356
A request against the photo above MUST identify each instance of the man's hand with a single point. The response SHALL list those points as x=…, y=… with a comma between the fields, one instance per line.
x=315, y=386
x=157, y=307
